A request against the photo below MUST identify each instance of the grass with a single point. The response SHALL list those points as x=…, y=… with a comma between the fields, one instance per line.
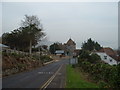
x=75, y=79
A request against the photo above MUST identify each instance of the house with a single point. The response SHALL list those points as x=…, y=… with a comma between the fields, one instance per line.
x=108, y=55
x=109, y=51
x=106, y=58
x=69, y=47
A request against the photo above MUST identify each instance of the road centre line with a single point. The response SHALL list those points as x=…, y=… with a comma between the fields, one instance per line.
x=50, y=80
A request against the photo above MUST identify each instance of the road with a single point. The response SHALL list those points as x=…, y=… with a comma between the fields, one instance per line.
x=49, y=76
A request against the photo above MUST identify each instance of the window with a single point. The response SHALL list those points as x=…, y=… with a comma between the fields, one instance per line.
x=105, y=57
x=110, y=60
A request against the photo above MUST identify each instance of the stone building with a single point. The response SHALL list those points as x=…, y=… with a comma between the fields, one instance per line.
x=70, y=47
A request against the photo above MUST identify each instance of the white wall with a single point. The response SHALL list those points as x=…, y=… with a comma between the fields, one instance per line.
x=108, y=59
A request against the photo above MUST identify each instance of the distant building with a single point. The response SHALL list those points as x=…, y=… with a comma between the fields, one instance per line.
x=59, y=52
x=77, y=52
x=69, y=47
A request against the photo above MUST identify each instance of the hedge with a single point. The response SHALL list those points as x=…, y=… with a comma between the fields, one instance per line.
x=105, y=74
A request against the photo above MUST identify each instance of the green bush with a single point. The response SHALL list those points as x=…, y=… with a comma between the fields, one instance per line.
x=21, y=66
x=105, y=72
x=4, y=54
x=94, y=58
x=102, y=84
x=36, y=57
x=90, y=57
x=85, y=55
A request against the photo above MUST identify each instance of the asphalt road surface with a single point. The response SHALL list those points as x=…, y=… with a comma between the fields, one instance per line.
x=49, y=76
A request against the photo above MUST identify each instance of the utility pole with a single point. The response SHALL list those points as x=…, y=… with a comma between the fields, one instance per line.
x=54, y=48
x=69, y=57
x=39, y=52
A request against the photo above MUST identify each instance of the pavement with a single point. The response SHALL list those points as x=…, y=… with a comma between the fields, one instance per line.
x=49, y=76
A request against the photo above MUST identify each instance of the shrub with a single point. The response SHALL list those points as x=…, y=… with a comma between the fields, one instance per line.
x=110, y=75
x=36, y=57
x=102, y=84
x=4, y=54
x=85, y=55
x=94, y=58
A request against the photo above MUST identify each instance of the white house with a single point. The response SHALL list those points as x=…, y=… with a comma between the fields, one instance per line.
x=106, y=58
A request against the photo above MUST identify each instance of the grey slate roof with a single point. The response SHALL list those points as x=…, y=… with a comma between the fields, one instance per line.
x=4, y=46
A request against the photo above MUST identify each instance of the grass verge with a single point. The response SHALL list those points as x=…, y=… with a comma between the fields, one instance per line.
x=75, y=79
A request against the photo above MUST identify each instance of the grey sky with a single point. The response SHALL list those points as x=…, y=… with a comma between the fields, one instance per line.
x=61, y=21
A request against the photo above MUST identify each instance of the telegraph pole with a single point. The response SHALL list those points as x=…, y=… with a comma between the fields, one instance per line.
x=39, y=52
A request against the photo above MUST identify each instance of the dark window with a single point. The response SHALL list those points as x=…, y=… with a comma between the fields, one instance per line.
x=105, y=57
x=110, y=60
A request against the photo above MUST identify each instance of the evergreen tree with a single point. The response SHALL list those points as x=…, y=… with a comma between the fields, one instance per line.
x=26, y=36
x=91, y=45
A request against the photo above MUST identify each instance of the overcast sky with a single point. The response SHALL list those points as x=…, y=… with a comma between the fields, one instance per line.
x=78, y=20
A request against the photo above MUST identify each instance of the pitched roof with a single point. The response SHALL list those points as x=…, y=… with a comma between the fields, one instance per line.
x=70, y=42
x=109, y=51
x=4, y=46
